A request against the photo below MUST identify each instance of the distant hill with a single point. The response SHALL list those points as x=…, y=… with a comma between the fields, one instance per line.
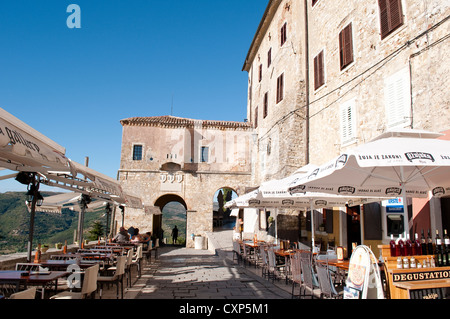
x=174, y=214
x=48, y=228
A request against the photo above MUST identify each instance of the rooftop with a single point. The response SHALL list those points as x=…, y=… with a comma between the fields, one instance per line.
x=169, y=121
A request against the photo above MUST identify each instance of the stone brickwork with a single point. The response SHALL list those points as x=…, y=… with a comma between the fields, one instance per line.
x=279, y=146
x=418, y=48
x=186, y=161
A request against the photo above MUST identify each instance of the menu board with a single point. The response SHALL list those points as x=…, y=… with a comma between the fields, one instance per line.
x=363, y=280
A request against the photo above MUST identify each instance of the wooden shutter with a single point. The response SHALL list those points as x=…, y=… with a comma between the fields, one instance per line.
x=346, y=46
x=391, y=16
x=266, y=106
x=280, y=85
x=319, y=71
x=348, y=122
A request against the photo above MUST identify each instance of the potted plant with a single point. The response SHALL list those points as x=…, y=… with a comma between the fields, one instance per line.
x=44, y=248
x=58, y=245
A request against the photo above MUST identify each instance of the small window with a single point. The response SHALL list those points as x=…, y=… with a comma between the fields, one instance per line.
x=269, y=57
x=391, y=16
x=319, y=72
x=260, y=72
x=280, y=87
x=266, y=104
x=204, y=154
x=256, y=117
x=283, y=34
x=137, y=152
x=346, y=46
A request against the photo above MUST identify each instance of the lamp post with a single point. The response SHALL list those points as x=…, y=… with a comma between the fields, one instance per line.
x=34, y=198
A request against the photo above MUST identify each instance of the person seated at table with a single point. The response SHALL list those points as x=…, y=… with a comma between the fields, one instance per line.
x=136, y=238
x=122, y=236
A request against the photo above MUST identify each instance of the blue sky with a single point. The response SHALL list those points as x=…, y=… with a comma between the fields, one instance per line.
x=129, y=58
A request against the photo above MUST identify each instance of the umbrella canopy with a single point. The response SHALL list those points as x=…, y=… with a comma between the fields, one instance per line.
x=22, y=148
x=385, y=167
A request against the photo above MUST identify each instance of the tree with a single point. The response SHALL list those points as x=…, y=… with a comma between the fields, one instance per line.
x=96, y=231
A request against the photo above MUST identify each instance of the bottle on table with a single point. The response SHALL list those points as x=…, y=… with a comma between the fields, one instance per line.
x=430, y=249
x=393, y=247
x=408, y=246
x=417, y=247
x=423, y=244
x=400, y=246
x=438, y=249
x=446, y=249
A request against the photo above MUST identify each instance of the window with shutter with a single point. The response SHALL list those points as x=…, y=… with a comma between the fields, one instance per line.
x=398, y=99
x=348, y=122
x=260, y=72
x=391, y=16
x=346, y=46
x=319, y=71
x=280, y=85
x=283, y=34
x=266, y=104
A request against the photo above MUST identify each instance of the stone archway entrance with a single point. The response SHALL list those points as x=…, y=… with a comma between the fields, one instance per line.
x=173, y=209
x=221, y=215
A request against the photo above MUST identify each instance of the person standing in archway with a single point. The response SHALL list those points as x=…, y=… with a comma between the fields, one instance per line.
x=174, y=235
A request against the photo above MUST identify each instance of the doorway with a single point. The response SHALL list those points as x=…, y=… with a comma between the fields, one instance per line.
x=221, y=215
x=173, y=216
x=353, y=227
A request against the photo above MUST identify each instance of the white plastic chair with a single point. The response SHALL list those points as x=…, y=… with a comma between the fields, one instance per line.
x=116, y=278
x=88, y=287
x=30, y=293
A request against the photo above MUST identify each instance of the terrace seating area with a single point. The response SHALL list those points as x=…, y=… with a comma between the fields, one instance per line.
x=309, y=275
x=78, y=274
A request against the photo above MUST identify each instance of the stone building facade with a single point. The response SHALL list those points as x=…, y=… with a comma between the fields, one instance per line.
x=352, y=70
x=167, y=159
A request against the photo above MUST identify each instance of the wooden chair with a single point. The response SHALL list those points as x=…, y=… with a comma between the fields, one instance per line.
x=116, y=278
x=88, y=287
x=30, y=293
x=137, y=260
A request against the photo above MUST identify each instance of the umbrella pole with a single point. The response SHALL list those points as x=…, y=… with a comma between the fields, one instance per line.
x=405, y=212
x=312, y=226
x=32, y=215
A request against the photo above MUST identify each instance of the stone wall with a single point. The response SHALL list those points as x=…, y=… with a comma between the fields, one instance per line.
x=171, y=168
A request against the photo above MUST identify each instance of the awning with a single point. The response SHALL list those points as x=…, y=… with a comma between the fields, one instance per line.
x=152, y=210
x=22, y=148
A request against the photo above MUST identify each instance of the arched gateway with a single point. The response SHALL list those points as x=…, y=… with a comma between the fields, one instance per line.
x=167, y=158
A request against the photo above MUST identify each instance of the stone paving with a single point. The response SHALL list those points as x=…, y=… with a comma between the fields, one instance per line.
x=186, y=273
x=183, y=273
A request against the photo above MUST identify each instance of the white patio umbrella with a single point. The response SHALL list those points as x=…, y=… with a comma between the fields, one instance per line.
x=385, y=167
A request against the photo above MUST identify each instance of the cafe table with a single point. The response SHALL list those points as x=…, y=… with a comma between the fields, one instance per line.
x=38, y=278
x=63, y=264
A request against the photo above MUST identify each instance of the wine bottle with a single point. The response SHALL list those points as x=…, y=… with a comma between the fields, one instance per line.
x=417, y=248
x=408, y=246
x=438, y=249
x=400, y=246
x=446, y=249
x=392, y=246
x=430, y=250
x=423, y=244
